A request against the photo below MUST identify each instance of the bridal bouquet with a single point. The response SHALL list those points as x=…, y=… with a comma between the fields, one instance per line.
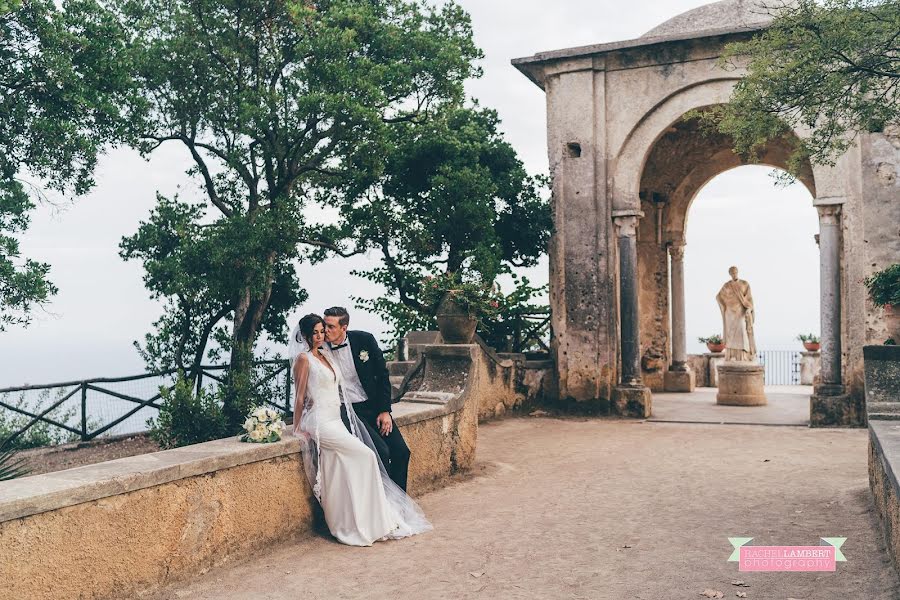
x=262, y=425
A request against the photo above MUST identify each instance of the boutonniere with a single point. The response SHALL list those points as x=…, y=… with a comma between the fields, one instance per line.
x=364, y=356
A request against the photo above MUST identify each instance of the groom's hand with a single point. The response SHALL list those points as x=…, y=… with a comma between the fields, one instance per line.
x=384, y=422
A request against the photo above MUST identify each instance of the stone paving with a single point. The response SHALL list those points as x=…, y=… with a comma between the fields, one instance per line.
x=788, y=405
x=604, y=509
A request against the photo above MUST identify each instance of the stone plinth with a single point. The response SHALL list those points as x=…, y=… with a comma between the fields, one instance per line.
x=741, y=384
x=810, y=365
x=715, y=359
x=631, y=401
x=680, y=381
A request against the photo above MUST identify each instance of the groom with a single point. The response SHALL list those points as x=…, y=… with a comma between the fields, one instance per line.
x=368, y=387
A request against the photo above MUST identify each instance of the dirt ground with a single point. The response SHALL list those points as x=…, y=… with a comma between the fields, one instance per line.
x=599, y=509
x=68, y=456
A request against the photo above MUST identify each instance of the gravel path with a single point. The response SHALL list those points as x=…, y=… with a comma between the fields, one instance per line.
x=600, y=509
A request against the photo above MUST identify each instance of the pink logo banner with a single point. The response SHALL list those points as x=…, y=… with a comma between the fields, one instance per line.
x=787, y=558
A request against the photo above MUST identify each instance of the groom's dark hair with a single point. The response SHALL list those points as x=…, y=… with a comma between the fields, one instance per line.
x=341, y=313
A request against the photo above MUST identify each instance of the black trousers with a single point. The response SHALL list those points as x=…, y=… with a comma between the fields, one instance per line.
x=391, y=448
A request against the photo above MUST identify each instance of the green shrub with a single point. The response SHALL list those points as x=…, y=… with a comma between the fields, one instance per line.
x=884, y=286
x=187, y=418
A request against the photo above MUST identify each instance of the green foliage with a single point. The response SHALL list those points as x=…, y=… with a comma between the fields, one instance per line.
x=198, y=269
x=475, y=297
x=272, y=101
x=61, y=86
x=713, y=339
x=187, y=418
x=453, y=198
x=884, y=286
x=11, y=465
x=514, y=317
x=832, y=66
x=810, y=338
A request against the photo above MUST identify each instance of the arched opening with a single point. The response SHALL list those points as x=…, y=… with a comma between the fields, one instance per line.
x=740, y=218
x=679, y=172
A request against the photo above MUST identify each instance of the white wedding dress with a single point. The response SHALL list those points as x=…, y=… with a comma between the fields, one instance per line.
x=361, y=503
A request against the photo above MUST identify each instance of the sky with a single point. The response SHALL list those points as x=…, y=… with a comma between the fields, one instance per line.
x=739, y=218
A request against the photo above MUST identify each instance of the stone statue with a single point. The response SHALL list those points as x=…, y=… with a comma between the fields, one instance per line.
x=736, y=304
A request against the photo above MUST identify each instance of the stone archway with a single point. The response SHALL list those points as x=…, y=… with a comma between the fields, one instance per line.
x=612, y=111
x=679, y=164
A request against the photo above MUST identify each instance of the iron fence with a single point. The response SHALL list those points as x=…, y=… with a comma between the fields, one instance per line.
x=782, y=367
x=84, y=410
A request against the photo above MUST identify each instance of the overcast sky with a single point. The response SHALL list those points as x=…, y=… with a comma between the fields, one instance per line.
x=739, y=218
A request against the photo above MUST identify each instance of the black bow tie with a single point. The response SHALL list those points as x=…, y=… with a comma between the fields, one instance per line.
x=344, y=345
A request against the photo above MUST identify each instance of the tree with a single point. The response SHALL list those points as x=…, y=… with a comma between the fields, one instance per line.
x=59, y=97
x=453, y=198
x=832, y=66
x=272, y=100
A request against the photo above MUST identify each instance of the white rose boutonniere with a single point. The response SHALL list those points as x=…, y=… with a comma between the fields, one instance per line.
x=364, y=356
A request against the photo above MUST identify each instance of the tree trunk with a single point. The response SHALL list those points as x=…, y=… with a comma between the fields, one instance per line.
x=241, y=393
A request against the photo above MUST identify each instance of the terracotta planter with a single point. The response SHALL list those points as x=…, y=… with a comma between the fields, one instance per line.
x=892, y=321
x=455, y=324
x=716, y=348
x=811, y=346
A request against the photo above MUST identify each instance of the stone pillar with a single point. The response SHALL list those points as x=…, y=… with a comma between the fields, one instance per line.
x=810, y=366
x=581, y=252
x=830, y=406
x=830, y=282
x=631, y=397
x=679, y=378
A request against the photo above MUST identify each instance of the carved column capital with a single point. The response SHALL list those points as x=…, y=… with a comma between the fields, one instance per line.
x=626, y=226
x=676, y=251
x=829, y=214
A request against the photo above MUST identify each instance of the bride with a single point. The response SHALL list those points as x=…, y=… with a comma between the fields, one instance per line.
x=361, y=503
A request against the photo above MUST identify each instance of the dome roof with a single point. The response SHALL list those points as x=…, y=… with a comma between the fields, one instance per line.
x=726, y=14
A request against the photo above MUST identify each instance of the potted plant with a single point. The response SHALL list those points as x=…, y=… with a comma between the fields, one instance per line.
x=458, y=305
x=810, y=341
x=884, y=290
x=714, y=343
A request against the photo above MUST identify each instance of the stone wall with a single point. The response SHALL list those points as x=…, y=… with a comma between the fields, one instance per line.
x=123, y=528
x=884, y=458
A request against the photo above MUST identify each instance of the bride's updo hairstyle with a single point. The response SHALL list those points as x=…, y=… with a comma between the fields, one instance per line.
x=308, y=325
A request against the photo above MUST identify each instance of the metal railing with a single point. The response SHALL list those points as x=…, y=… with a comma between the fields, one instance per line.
x=782, y=367
x=84, y=410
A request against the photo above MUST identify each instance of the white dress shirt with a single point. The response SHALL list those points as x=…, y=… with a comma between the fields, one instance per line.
x=352, y=386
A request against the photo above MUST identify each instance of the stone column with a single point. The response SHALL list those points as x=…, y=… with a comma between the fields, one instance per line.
x=830, y=405
x=631, y=398
x=830, y=294
x=679, y=378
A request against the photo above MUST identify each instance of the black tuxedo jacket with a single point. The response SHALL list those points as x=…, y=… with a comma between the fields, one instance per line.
x=373, y=373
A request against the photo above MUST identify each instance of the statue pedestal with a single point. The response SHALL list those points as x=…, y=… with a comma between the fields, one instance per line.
x=741, y=384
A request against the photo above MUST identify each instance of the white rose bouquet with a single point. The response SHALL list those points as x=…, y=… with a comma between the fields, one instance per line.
x=263, y=425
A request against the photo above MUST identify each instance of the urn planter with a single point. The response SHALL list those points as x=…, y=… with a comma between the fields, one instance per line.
x=456, y=325
x=715, y=348
x=811, y=346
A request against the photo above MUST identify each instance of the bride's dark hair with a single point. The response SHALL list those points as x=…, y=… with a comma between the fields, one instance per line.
x=308, y=325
